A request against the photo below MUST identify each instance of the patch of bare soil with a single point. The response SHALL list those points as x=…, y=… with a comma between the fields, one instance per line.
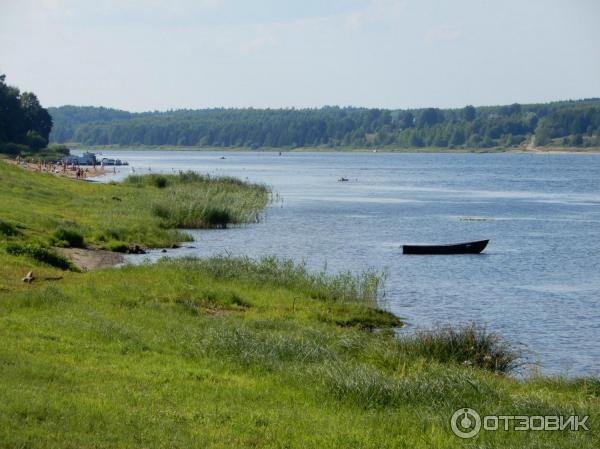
x=91, y=259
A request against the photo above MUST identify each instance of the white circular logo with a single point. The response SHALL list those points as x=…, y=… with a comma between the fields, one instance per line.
x=465, y=423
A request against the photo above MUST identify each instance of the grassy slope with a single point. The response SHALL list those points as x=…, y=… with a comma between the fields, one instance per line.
x=229, y=354
x=114, y=215
x=194, y=360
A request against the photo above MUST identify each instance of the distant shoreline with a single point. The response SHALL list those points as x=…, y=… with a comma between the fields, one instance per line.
x=537, y=150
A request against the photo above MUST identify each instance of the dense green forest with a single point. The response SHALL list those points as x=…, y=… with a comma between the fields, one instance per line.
x=24, y=124
x=567, y=123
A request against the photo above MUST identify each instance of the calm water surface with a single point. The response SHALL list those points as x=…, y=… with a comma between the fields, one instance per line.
x=538, y=282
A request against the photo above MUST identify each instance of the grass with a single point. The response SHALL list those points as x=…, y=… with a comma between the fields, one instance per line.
x=468, y=344
x=223, y=200
x=223, y=352
x=40, y=254
x=47, y=211
x=201, y=357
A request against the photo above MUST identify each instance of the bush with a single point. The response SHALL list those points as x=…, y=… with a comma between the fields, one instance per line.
x=41, y=254
x=469, y=345
x=59, y=149
x=368, y=318
x=160, y=181
x=136, y=180
x=116, y=246
x=13, y=149
x=35, y=141
x=68, y=238
x=8, y=229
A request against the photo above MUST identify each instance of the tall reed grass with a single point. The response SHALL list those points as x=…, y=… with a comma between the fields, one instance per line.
x=468, y=344
x=194, y=201
x=366, y=287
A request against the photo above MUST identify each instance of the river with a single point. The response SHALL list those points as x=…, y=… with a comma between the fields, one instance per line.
x=537, y=283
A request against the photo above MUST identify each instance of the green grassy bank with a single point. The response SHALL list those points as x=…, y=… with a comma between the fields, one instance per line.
x=233, y=353
x=40, y=211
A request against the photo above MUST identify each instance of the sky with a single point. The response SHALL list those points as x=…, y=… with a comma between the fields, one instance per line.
x=141, y=55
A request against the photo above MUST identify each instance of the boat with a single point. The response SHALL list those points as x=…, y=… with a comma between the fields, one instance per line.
x=474, y=247
x=342, y=179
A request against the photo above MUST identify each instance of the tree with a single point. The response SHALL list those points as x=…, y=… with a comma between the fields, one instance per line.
x=468, y=113
x=37, y=118
x=457, y=137
x=408, y=120
x=22, y=119
x=35, y=141
x=577, y=140
x=430, y=117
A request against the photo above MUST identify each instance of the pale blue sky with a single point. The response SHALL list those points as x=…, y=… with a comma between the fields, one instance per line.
x=160, y=54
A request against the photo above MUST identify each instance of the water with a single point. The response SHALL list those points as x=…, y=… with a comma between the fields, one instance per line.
x=538, y=282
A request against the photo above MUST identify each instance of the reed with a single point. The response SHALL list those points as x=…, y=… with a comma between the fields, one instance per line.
x=366, y=287
x=469, y=344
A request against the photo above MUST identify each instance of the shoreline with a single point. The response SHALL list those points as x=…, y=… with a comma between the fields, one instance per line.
x=432, y=150
x=56, y=170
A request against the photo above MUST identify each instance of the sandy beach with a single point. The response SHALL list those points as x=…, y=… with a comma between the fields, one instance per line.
x=70, y=171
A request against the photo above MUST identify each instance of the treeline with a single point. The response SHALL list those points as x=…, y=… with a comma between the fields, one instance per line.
x=569, y=123
x=24, y=124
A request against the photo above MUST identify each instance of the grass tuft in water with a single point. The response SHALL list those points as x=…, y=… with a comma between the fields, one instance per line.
x=469, y=345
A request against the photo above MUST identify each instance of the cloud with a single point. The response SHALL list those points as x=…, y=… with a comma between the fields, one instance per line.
x=259, y=43
x=443, y=33
x=375, y=11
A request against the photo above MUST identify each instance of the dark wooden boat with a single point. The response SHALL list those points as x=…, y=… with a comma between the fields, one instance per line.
x=456, y=248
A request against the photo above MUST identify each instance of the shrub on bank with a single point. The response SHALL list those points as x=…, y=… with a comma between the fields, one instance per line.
x=68, y=238
x=470, y=345
x=41, y=254
x=8, y=229
x=116, y=246
x=13, y=149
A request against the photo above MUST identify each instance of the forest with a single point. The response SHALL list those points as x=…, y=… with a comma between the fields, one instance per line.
x=557, y=124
